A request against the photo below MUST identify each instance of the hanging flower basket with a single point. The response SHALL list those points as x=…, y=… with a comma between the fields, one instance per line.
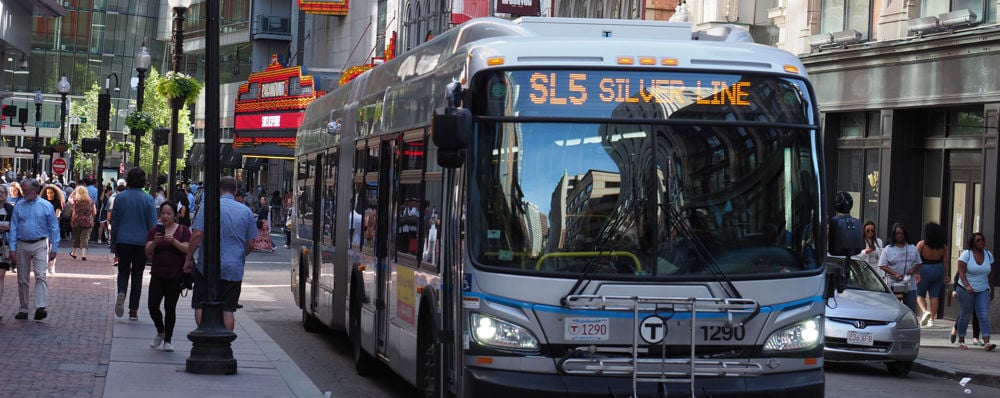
x=139, y=122
x=58, y=145
x=179, y=88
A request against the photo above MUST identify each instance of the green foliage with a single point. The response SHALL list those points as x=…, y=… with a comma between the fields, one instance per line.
x=178, y=85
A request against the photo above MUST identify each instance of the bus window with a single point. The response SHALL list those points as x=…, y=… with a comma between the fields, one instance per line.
x=329, y=197
x=303, y=197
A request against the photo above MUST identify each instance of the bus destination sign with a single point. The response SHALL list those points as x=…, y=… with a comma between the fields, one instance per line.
x=572, y=88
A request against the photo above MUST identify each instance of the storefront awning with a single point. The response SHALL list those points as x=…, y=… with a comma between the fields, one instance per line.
x=196, y=155
x=268, y=151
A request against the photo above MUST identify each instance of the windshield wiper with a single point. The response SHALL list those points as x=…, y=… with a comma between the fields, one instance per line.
x=594, y=262
x=702, y=251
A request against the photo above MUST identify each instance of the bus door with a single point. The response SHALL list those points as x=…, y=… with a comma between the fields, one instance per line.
x=315, y=216
x=383, y=245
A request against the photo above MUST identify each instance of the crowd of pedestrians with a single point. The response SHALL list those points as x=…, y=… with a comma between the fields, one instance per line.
x=140, y=227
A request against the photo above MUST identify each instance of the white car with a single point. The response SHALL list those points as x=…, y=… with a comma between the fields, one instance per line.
x=867, y=322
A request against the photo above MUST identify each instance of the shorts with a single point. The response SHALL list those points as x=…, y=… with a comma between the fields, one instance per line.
x=227, y=291
x=931, y=280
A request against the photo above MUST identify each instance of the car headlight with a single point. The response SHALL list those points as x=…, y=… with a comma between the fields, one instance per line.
x=908, y=321
x=802, y=335
x=496, y=333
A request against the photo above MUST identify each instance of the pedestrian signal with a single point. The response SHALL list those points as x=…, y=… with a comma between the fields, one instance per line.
x=90, y=145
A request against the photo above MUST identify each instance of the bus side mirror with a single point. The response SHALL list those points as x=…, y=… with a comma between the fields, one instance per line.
x=450, y=130
x=836, y=281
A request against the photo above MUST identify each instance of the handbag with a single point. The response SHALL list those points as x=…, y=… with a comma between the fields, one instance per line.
x=898, y=287
x=187, y=283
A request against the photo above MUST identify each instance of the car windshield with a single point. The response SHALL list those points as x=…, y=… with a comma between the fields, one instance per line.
x=860, y=276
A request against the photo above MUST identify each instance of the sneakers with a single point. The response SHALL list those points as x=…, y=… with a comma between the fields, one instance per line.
x=133, y=315
x=21, y=315
x=926, y=317
x=120, y=305
x=40, y=314
x=157, y=340
x=168, y=347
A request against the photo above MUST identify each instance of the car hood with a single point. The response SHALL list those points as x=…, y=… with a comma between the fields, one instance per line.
x=864, y=304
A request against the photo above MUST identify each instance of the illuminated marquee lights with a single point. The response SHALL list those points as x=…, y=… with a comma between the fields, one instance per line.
x=353, y=72
x=571, y=89
x=320, y=7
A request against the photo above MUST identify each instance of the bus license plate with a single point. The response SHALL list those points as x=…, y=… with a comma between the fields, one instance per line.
x=860, y=338
x=586, y=329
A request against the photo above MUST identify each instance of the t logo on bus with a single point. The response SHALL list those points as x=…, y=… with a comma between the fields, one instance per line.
x=653, y=329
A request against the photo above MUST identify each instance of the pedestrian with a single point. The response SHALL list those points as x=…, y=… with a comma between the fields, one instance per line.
x=159, y=197
x=934, y=274
x=14, y=194
x=975, y=289
x=263, y=240
x=873, y=247
x=900, y=262
x=132, y=216
x=237, y=230
x=288, y=222
x=34, y=231
x=183, y=209
x=55, y=196
x=102, y=231
x=6, y=211
x=167, y=245
x=82, y=221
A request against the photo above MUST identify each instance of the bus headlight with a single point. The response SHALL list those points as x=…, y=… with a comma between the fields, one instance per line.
x=802, y=335
x=495, y=333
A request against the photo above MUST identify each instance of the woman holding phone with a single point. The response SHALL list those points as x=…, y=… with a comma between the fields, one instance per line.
x=166, y=244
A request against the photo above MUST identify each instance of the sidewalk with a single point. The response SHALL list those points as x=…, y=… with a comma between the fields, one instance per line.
x=83, y=350
x=939, y=357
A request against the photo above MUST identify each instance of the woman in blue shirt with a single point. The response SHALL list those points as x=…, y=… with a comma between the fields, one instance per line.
x=975, y=289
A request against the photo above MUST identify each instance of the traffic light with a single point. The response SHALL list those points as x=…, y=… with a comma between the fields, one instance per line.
x=22, y=116
x=103, y=112
x=9, y=111
x=160, y=136
x=90, y=145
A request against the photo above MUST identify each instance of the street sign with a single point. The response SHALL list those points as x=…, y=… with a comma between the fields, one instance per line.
x=59, y=165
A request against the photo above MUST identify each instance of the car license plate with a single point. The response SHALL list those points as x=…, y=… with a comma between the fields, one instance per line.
x=586, y=329
x=860, y=338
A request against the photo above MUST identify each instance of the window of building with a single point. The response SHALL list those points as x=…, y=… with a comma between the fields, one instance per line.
x=966, y=121
x=985, y=10
x=841, y=15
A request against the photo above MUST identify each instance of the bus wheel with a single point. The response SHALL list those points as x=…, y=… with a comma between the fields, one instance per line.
x=364, y=363
x=310, y=323
x=430, y=366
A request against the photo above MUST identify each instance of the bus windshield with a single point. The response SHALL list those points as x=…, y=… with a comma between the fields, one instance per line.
x=664, y=185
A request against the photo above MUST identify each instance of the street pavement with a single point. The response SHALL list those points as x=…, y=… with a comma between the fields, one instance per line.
x=83, y=350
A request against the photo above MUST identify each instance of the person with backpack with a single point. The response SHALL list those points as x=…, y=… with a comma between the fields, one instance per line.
x=975, y=289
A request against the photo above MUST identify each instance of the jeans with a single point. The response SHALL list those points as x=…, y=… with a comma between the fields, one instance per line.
x=910, y=300
x=131, y=264
x=969, y=302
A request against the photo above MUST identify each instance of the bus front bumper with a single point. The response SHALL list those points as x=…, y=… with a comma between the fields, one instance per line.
x=482, y=382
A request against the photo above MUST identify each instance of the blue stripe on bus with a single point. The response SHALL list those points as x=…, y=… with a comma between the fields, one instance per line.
x=622, y=314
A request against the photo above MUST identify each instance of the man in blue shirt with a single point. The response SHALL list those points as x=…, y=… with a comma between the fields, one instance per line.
x=132, y=217
x=237, y=230
x=34, y=232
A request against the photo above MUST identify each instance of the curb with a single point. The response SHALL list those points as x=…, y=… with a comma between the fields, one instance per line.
x=943, y=369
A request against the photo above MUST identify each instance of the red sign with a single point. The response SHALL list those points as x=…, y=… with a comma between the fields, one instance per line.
x=59, y=165
x=282, y=121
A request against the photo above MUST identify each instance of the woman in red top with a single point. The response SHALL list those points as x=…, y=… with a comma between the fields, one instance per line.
x=166, y=244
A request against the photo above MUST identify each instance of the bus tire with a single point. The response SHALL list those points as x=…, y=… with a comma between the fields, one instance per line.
x=429, y=366
x=364, y=363
x=310, y=323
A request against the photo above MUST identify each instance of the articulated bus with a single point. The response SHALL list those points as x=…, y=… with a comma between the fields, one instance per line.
x=567, y=208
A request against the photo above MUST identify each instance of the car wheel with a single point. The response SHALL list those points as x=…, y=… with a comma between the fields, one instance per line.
x=899, y=369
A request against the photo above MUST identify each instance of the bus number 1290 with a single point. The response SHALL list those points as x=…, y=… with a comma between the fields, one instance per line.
x=723, y=333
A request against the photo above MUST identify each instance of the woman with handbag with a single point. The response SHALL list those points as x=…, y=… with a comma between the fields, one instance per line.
x=900, y=262
x=975, y=289
x=167, y=245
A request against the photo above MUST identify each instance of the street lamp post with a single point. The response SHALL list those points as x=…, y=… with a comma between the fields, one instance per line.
x=74, y=128
x=211, y=352
x=38, y=119
x=142, y=61
x=180, y=8
x=104, y=101
x=63, y=88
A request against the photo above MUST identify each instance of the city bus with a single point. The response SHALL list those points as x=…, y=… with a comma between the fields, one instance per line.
x=555, y=207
